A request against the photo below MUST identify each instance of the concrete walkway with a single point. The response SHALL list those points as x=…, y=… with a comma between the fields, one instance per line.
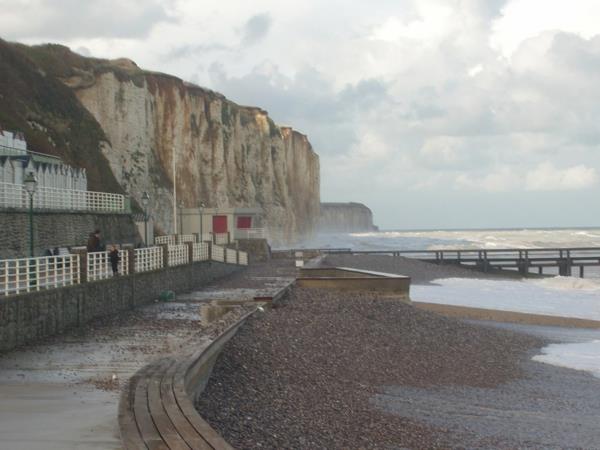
x=64, y=394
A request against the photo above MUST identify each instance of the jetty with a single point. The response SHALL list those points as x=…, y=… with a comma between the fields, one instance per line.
x=566, y=262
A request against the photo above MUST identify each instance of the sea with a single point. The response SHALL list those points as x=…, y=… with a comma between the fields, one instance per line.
x=556, y=295
x=459, y=239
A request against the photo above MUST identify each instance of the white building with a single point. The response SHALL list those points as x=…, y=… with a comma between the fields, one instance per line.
x=13, y=141
x=16, y=161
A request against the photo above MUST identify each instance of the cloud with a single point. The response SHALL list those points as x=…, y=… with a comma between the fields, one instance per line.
x=546, y=177
x=255, y=29
x=409, y=97
x=502, y=180
x=69, y=19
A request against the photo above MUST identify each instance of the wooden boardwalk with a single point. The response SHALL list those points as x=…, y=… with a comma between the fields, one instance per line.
x=156, y=412
x=566, y=261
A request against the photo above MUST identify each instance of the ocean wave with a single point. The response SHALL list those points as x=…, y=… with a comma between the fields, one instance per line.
x=568, y=283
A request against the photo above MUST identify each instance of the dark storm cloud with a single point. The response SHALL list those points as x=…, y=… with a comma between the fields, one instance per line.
x=195, y=51
x=255, y=29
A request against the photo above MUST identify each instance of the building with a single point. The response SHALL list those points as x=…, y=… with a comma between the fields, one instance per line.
x=222, y=225
x=16, y=161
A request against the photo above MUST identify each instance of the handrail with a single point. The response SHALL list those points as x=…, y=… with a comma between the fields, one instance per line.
x=13, y=151
x=448, y=250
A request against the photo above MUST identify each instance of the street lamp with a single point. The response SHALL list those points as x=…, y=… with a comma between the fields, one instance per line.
x=201, y=220
x=30, y=183
x=145, y=201
x=181, y=217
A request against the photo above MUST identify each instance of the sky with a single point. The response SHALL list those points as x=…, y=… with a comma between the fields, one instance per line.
x=435, y=114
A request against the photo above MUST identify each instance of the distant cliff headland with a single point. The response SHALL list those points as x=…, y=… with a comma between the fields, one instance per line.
x=126, y=126
x=345, y=217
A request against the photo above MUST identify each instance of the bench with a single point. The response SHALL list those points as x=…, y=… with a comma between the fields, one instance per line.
x=156, y=410
x=156, y=413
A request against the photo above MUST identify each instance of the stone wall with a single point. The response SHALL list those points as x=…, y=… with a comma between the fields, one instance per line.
x=28, y=318
x=61, y=229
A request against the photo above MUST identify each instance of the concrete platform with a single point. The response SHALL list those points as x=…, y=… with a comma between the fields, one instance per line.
x=356, y=280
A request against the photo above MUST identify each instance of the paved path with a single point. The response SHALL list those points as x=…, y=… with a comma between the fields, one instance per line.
x=64, y=394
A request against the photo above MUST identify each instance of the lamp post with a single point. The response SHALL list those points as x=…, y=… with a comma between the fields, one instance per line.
x=181, y=217
x=201, y=220
x=145, y=201
x=30, y=183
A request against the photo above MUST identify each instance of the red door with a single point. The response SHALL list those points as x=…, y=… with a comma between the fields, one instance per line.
x=219, y=224
x=244, y=222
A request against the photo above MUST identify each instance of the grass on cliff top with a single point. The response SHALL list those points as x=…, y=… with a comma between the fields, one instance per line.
x=54, y=121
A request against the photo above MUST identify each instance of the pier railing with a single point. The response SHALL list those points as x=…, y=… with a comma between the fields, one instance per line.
x=567, y=261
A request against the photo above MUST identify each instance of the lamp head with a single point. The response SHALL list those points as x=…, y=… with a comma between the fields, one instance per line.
x=145, y=199
x=30, y=183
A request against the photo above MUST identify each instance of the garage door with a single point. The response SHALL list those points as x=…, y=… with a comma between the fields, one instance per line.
x=219, y=224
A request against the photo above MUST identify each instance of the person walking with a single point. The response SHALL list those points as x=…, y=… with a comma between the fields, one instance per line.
x=93, y=244
x=114, y=257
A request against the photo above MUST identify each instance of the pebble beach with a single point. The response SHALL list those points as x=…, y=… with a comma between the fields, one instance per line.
x=346, y=370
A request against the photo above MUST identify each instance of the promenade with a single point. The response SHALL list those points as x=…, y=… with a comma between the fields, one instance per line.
x=63, y=394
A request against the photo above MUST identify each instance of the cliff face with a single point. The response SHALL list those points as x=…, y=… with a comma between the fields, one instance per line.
x=345, y=217
x=225, y=155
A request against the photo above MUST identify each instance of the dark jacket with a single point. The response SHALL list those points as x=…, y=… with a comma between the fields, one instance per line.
x=114, y=257
x=93, y=244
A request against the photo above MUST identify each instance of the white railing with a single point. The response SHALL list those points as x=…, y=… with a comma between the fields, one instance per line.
x=147, y=259
x=12, y=151
x=250, y=233
x=169, y=240
x=99, y=266
x=206, y=237
x=242, y=258
x=178, y=254
x=200, y=251
x=217, y=253
x=34, y=274
x=230, y=256
x=15, y=196
x=221, y=238
x=183, y=238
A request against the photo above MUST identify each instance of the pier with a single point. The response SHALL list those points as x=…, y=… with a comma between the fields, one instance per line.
x=564, y=261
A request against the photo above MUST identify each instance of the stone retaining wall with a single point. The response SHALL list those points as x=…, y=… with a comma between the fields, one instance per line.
x=31, y=317
x=61, y=229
